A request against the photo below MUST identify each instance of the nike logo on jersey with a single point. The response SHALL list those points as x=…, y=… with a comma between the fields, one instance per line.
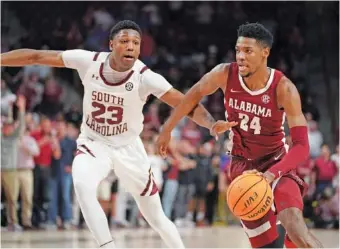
x=277, y=157
x=233, y=91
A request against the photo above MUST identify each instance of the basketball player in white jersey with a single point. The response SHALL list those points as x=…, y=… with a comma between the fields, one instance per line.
x=116, y=87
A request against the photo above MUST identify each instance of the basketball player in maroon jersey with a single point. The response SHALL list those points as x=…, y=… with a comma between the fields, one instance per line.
x=257, y=99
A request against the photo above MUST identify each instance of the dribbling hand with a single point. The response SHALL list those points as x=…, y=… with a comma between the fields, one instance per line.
x=220, y=127
x=267, y=175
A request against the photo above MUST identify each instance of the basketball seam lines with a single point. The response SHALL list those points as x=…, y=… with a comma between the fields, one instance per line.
x=233, y=183
x=265, y=194
x=245, y=193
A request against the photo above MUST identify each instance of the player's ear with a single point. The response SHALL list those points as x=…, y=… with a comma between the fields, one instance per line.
x=265, y=52
x=111, y=45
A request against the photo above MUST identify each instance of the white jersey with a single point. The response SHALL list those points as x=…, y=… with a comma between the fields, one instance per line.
x=112, y=111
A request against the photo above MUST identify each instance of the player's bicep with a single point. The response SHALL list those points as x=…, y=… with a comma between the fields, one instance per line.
x=289, y=99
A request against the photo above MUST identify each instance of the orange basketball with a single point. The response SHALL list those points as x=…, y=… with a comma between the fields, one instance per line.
x=249, y=197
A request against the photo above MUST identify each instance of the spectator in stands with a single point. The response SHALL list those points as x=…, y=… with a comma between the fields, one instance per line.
x=32, y=89
x=203, y=181
x=325, y=170
x=11, y=133
x=28, y=149
x=315, y=139
x=151, y=119
x=191, y=133
x=49, y=148
x=7, y=98
x=61, y=180
x=31, y=125
x=335, y=159
x=51, y=100
x=170, y=180
x=74, y=37
x=74, y=115
x=327, y=210
x=186, y=188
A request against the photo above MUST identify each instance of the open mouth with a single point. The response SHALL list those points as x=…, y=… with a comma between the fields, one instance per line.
x=242, y=67
x=128, y=57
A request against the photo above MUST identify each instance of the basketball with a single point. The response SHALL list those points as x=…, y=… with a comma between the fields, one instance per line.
x=249, y=197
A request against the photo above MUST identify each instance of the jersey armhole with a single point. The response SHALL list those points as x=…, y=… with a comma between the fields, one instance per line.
x=275, y=91
x=230, y=67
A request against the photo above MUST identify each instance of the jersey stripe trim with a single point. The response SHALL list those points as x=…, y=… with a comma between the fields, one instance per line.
x=95, y=57
x=111, y=83
x=143, y=69
x=263, y=90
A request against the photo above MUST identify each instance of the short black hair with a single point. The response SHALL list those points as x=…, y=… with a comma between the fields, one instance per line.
x=125, y=24
x=258, y=32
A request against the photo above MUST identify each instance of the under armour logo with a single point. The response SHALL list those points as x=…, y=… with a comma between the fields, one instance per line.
x=94, y=76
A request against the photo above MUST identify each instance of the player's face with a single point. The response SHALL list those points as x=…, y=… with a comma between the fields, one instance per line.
x=126, y=46
x=250, y=55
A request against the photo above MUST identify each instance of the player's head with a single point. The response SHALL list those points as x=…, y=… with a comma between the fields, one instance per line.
x=125, y=42
x=252, y=47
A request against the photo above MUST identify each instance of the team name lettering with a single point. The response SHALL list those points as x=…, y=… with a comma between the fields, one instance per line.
x=106, y=130
x=107, y=98
x=107, y=114
x=249, y=107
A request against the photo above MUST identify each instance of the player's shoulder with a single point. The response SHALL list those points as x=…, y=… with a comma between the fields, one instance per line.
x=100, y=56
x=222, y=68
x=140, y=67
x=286, y=91
x=285, y=85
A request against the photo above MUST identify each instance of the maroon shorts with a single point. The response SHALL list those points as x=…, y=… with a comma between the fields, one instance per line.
x=288, y=192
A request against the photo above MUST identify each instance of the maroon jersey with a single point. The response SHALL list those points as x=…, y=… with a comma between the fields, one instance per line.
x=260, y=122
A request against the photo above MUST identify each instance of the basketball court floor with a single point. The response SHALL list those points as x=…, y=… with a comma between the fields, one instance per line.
x=210, y=237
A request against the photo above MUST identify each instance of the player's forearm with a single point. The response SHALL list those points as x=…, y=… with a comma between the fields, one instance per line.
x=201, y=116
x=188, y=104
x=19, y=57
x=296, y=155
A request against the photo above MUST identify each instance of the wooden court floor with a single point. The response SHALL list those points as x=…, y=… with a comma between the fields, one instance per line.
x=209, y=237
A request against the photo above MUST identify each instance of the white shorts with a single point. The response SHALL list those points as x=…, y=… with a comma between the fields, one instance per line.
x=104, y=190
x=130, y=164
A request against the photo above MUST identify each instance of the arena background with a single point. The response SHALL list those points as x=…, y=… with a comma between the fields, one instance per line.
x=181, y=41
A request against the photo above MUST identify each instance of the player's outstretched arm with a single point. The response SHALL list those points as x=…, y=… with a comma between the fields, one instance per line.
x=189, y=103
x=289, y=98
x=23, y=57
x=199, y=114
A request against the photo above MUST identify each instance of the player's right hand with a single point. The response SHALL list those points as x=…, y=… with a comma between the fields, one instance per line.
x=163, y=142
x=221, y=126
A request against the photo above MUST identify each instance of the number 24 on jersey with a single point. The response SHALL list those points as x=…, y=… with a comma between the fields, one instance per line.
x=254, y=124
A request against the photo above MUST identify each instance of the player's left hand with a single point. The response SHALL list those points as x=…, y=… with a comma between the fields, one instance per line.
x=163, y=142
x=221, y=126
x=267, y=175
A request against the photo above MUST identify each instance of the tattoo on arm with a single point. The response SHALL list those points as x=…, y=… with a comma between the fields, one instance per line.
x=199, y=112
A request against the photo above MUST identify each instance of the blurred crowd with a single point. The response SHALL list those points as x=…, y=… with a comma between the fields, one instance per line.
x=40, y=125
